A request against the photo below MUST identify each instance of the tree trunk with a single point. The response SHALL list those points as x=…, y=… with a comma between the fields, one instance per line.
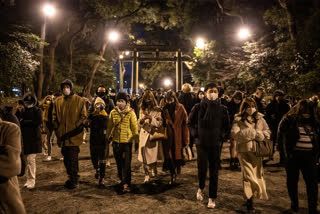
x=290, y=18
x=52, y=50
x=87, y=90
x=122, y=72
x=39, y=74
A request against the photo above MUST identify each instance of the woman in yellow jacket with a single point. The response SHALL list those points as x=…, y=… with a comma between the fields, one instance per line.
x=122, y=130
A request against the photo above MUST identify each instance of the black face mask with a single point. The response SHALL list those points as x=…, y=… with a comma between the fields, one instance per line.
x=101, y=94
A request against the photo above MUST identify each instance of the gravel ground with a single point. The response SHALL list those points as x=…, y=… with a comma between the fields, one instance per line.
x=50, y=196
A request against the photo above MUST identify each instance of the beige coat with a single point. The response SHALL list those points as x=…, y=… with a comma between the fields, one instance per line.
x=10, y=166
x=68, y=114
x=246, y=134
x=149, y=151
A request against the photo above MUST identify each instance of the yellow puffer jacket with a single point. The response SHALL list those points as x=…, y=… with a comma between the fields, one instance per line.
x=122, y=127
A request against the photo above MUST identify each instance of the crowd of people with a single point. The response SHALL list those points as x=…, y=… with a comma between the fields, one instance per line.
x=163, y=127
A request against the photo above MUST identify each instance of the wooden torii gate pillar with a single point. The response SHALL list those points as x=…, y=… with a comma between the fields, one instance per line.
x=135, y=59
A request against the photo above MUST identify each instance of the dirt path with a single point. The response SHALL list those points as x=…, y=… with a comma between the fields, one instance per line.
x=50, y=196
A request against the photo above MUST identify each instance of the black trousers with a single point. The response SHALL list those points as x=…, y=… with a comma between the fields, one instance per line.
x=208, y=156
x=71, y=161
x=122, y=152
x=305, y=162
x=98, y=157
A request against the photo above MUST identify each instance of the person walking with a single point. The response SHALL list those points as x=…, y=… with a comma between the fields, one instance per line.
x=233, y=109
x=31, y=121
x=68, y=117
x=10, y=167
x=274, y=113
x=175, y=120
x=122, y=130
x=247, y=128
x=258, y=97
x=99, y=147
x=150, y=123
x=213, y=125
x=299, y=133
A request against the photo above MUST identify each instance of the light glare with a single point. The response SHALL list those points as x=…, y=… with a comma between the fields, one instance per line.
x=49, y=10
x=200, y=43
x=243, y=33
x=167, y=82
x=113, y=36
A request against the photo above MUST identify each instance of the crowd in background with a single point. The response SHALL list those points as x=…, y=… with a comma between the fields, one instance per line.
x=165, y=127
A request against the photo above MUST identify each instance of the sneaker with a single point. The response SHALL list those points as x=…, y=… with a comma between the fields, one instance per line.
x=200, y=195
x=48, y=158
x=146, y=179
x=31, y=186
x=126, y=188
x=70, y=185
x=108, y=163
x=211, y=203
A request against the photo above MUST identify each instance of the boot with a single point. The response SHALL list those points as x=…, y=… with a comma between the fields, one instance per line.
x=249, y=204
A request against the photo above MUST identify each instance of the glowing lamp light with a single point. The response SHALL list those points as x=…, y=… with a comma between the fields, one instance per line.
x=167, y=82
x=200, y=43
x=121, y=57
x=141, y=85
x=49, y=10
x=113, y=36
x=127, y=53
x=243, y=33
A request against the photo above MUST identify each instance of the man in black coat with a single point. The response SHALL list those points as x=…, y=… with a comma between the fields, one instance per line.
x=274, y=113
x=30, y=121
x=213, y=125
x=258, y=97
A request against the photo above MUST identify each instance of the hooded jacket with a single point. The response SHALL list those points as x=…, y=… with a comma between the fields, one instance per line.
x=123, y=126
x=68, y=113
x=10, y=165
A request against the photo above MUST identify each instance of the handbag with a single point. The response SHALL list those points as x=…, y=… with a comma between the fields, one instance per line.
x=159, y=135
x=264, y=148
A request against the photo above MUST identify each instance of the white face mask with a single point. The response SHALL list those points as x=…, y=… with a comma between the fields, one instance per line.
x=121, y=104
x=251, y=111
x=212, y=96
x=66, y=91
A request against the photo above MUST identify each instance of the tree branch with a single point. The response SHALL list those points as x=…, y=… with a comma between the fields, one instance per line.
x=223, y=10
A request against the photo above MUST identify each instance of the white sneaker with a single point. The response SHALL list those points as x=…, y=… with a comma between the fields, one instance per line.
x=31, y=186
x=26, y=184
x=146, y=179
x=200, y=195
x=108, y=163
x=48, y=158
x=211, y=203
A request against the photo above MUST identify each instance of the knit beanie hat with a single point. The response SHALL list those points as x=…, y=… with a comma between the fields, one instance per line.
x=123, y=96
x=99, y=101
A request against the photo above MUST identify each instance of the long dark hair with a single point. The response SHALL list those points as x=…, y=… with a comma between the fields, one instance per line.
x=144, y=104
x=171, y=94
x=246, y=103
x=303, y=106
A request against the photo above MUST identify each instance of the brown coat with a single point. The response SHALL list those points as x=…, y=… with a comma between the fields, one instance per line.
x=10, y=165
x=177, y=131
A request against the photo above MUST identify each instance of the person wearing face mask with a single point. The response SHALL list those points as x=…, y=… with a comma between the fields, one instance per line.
x=233, y=109
x=31, y=121
x=213, y=125
x=102, y=92
x=247, y=128
x=68, y=117
x=99, y=148
x=47, y=106
x=122, y=130
x=150, y=122
x=175, y=118
x=274, y=113
x=299, y=133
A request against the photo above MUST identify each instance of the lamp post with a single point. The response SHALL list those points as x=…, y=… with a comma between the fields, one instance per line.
x=167, y=83
x=200, y=43
x=48, y=11
x=244, y=33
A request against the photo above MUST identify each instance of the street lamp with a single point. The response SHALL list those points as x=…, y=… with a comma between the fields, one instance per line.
x=167, y=82
x=121, y=56
x=200, y=43
x=127, y=53
x=48, y=10
x=141, y=85
x=113, y=36
x=244, y=33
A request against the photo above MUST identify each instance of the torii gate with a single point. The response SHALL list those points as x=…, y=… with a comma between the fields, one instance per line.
x=135, y=58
